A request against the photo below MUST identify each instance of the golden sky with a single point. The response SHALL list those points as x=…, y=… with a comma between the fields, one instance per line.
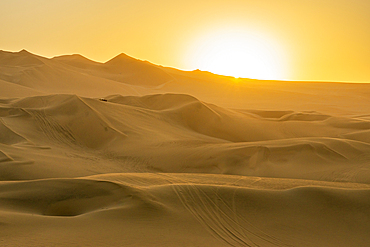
x=299, y=39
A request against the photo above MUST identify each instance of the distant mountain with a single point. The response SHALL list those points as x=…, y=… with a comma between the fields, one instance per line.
x=76, y=60
x=22, y=58
x=77, y=74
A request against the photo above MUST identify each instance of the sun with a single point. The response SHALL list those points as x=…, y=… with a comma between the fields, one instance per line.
x=239, y=54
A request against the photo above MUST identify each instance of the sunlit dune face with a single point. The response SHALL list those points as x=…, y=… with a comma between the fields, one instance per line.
x=239, y=54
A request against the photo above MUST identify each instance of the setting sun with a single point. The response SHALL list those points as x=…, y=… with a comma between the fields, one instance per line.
x=239, y=54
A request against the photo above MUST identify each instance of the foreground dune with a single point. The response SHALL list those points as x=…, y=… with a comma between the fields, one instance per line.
x=186, y=209
x=127, y=153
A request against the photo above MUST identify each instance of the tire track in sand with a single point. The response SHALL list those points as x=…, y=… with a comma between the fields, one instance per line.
x=219, y=217
x=52, y=129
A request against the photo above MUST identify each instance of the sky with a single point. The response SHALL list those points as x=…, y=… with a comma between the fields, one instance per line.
x=321, y=40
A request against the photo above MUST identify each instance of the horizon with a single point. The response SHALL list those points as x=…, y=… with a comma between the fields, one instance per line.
x=295, y=41
x=194, y=70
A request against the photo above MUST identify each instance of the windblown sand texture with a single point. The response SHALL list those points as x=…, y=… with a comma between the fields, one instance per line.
x=127, y=153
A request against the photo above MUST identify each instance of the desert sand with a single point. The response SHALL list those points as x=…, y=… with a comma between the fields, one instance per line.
x=128, y=153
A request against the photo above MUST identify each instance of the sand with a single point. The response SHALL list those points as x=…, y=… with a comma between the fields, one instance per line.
x=128, y=153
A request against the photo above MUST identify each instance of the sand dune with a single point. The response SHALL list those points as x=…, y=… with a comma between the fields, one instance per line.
x=127, y=153
x=182, y=134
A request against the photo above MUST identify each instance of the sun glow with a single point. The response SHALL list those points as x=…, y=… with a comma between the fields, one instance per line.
x=239, y=54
